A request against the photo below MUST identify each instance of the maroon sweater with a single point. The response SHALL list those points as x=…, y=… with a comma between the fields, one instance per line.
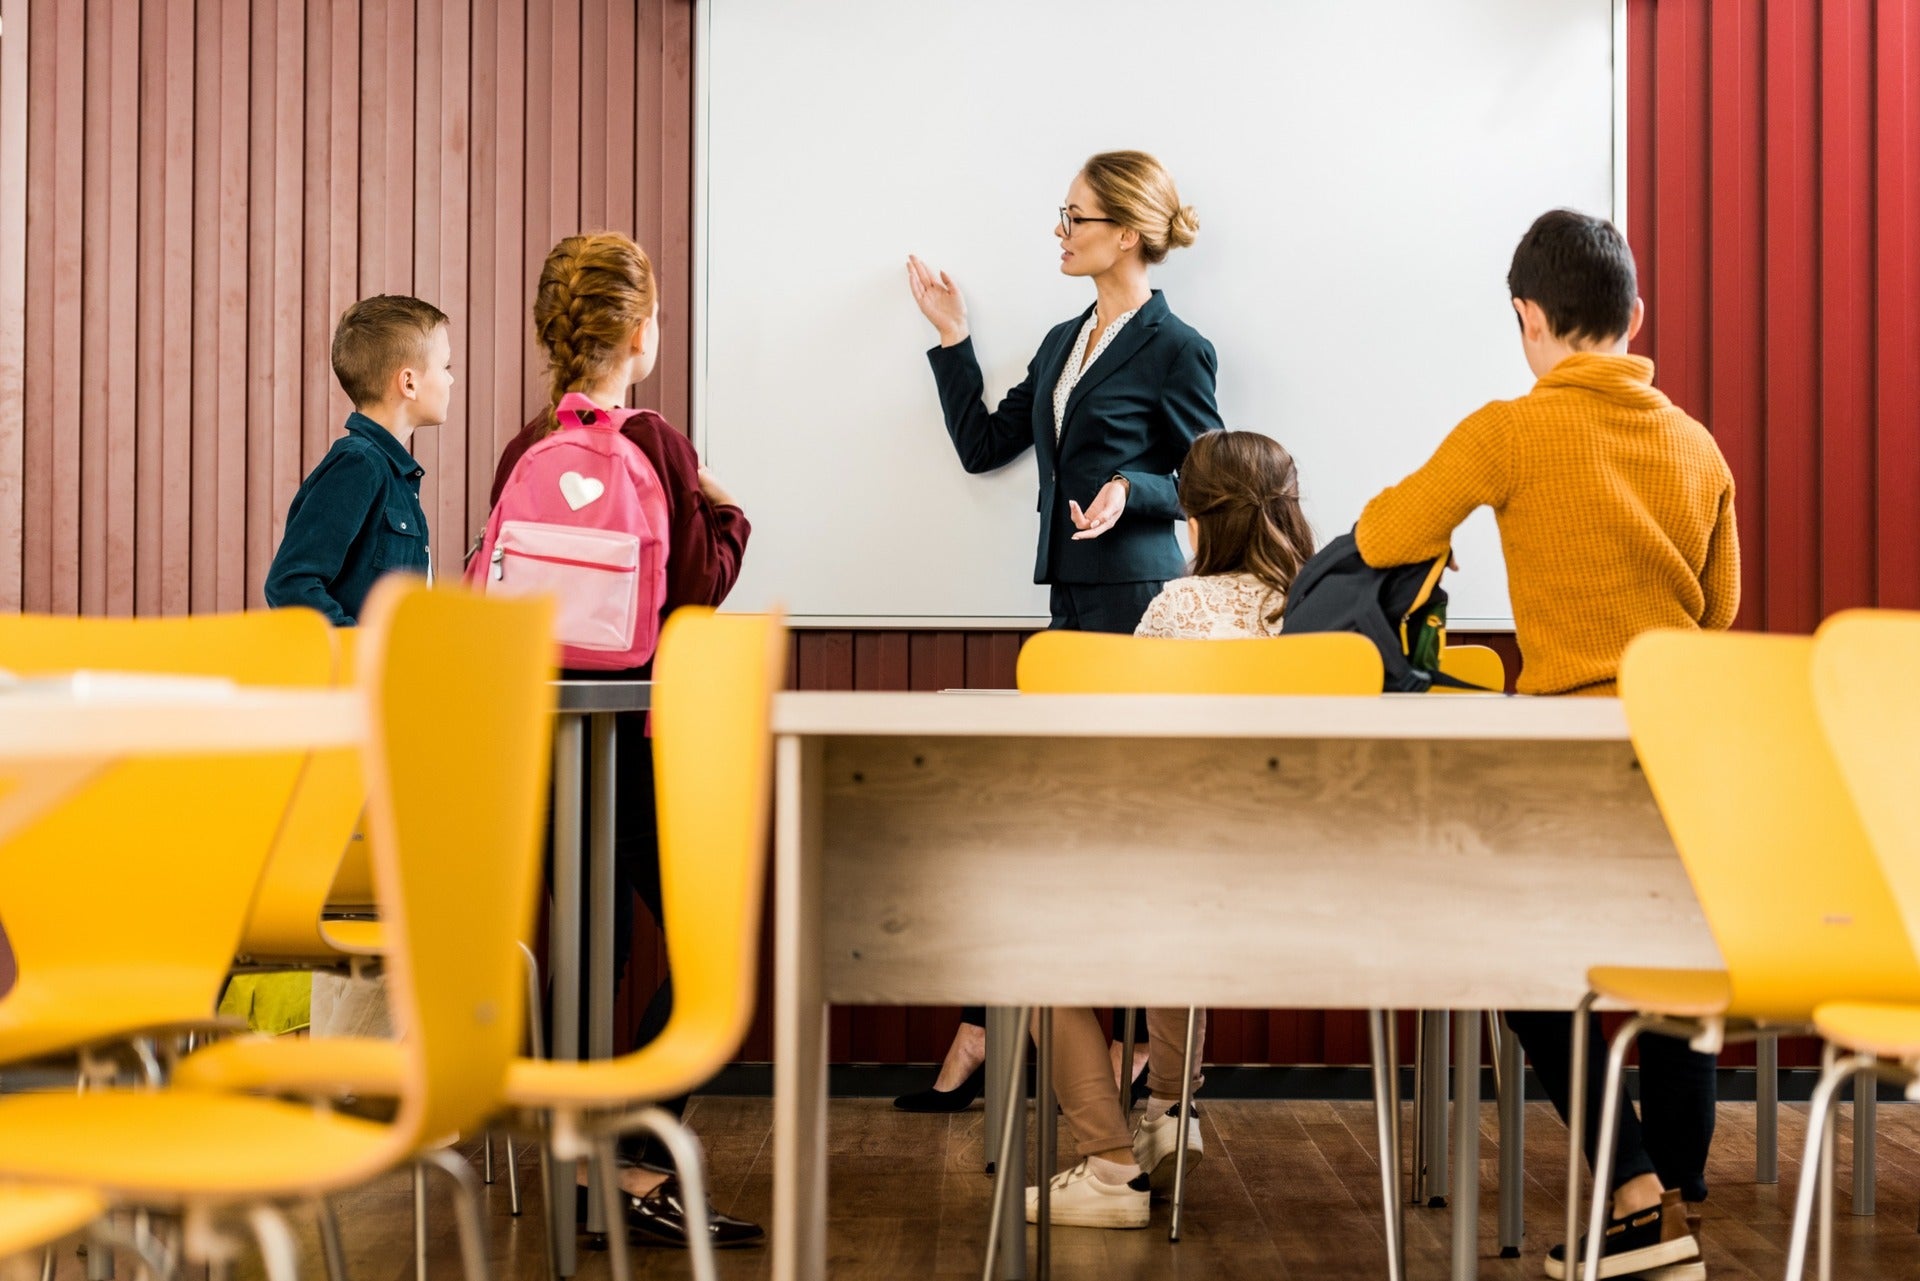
x=705, y=541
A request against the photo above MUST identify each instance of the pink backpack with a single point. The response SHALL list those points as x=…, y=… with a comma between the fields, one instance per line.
x=583, y=518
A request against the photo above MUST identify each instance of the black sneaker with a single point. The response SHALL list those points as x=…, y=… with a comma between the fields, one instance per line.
x=1656, y=1237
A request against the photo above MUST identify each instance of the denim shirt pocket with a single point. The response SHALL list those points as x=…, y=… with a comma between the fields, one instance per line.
x=402, y=544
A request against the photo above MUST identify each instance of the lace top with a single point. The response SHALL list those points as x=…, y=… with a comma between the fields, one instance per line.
x=1081, y=358
x=1217, y=607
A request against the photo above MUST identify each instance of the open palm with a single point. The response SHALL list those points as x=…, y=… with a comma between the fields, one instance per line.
x=939, y=300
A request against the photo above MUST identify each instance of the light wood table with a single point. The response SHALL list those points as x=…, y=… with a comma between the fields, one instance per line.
x=55, y=736
x=1462, y=853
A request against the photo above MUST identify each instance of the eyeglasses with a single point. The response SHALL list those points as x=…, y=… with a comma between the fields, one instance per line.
x=1068, y=221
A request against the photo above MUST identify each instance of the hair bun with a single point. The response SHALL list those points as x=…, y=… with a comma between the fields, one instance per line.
x=1183, y=227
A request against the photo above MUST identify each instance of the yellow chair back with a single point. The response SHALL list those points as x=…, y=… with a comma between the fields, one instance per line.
x=1725, y=727
x=180, y=842
x=714, y=677
x=309, y=859
x=1061, y=662
x=1866, y=682
x=1474, y=664
x=458, y=703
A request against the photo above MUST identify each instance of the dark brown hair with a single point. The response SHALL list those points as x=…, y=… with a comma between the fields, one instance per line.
x=594, y=291
x=376, y=338
x=1579, y=269
x=1243, y=492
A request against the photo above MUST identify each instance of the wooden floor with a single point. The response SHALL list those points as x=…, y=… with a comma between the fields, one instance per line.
x=1286, y=1190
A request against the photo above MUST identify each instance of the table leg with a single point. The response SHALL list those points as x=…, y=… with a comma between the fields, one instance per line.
x=1513, y=1142
x=1430, y=1110
x=1866, y=1103
x=563, y=955
x=1766, y=1109
x=1466, y=1145
x=1007, y=1051
x=600, y=907
x=996, y=1090
x=799, y=1020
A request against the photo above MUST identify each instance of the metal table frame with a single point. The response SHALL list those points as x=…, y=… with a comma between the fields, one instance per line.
x=584, y=708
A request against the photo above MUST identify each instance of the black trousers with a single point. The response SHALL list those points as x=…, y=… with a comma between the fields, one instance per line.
x=1089, y=607
x=1674, y=1127
x=636, y=874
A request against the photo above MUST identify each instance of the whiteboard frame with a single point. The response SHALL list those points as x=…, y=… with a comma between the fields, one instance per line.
x=697, y=383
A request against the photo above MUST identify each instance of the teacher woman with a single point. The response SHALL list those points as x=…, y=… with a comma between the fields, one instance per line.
x=1110, y=404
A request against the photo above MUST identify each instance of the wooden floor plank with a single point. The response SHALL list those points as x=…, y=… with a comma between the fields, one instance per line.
x=1286, y=1190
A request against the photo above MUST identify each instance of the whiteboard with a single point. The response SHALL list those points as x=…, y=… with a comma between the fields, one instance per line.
x=1362, y=171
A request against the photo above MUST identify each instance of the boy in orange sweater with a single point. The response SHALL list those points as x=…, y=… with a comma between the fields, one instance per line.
x=1616, y=517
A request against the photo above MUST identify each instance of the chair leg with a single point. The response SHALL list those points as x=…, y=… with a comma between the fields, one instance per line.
x=513, y=1177
x=1609, y=1134
x=420, y=1220
x=330, y=1246
x=691, y=1167
x=1576, y=1121
x=1128, y=1034
x=468, y=1214
x=1819, y=1132
x=536, y=1026
x=1187, y=1064
x=486, y=1159
x=1016, y=1052
x=619, y=1261
x=278, y=1253
x=1386, y=1107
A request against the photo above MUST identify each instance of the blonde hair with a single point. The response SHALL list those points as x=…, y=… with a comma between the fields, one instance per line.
x=1137, y=190
x=594, y=291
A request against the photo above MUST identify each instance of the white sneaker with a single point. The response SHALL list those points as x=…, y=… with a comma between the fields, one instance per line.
x=1154, y=1146
x=1078, y=1200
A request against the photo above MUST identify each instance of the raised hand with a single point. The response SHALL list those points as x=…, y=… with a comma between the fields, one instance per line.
x=1102, y=513
x=939, y=301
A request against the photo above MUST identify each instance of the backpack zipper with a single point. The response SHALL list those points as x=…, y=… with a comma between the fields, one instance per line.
x=500, y=555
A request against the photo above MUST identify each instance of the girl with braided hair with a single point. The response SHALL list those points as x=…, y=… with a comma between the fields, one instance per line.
x=596, y=314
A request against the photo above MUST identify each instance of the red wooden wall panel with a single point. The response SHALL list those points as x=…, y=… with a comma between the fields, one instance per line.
x=192, y=190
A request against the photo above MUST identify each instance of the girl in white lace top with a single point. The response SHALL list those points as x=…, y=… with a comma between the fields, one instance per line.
x=1241, y=493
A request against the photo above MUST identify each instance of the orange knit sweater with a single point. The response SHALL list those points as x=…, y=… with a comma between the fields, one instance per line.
x=1615, y=513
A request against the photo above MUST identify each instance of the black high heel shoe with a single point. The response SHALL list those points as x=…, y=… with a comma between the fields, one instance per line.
x=931, y=1100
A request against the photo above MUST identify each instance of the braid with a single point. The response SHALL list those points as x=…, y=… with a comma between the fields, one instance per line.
x=594, y=292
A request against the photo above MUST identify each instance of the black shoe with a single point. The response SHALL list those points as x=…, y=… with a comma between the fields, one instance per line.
x=1643, y=1241
x=660, y=1218
x=931, y=1100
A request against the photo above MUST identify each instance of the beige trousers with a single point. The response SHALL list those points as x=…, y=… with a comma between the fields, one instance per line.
x=1083, y=1080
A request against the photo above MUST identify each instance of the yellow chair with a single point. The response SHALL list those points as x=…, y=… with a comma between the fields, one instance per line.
x=1725, y=727
x=33, y=1217
x=456, y=698
x=124, y=905
x=1474, y=664
x=714, y=678
x=1869, y=702
x=1063, y=662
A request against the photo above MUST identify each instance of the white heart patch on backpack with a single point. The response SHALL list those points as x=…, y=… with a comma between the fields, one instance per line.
x=580, y=490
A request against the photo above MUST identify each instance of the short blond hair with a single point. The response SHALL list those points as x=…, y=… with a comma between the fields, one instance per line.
x=1137, y=191
x=376, y=338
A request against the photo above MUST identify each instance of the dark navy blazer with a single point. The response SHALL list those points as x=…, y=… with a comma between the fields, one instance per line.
x=1133, y=414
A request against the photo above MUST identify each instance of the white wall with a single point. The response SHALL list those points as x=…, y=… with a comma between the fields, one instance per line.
x=1362, y=171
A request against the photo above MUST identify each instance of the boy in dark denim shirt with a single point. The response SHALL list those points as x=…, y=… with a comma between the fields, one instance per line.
x=358, y=514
